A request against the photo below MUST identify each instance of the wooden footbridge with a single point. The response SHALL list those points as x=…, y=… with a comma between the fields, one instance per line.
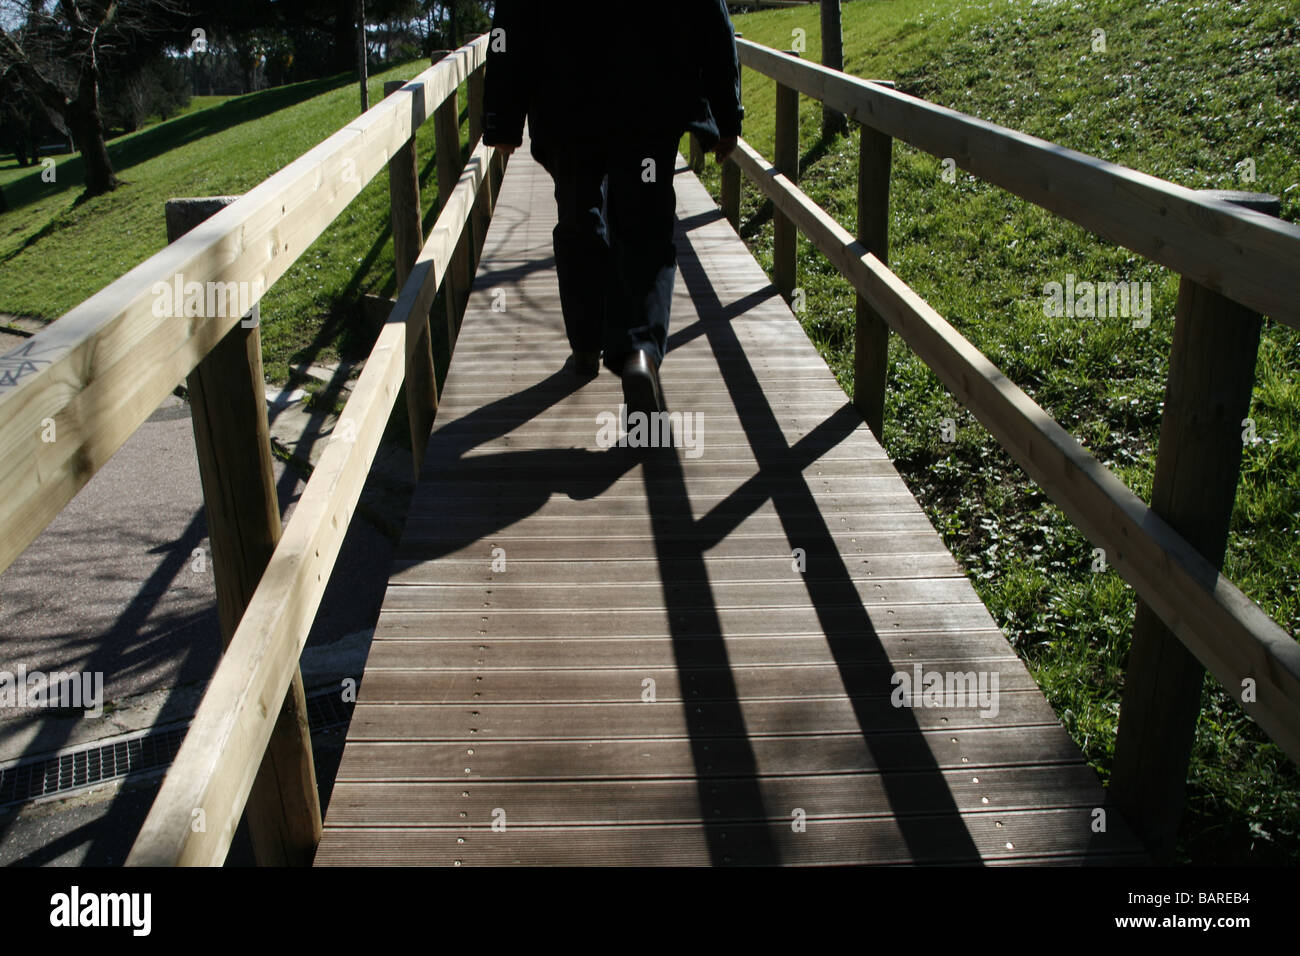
x=647, y=677
x=591, y=653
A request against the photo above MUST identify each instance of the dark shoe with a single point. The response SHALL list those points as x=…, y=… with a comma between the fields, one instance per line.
x=586, y=364
x=641, y=391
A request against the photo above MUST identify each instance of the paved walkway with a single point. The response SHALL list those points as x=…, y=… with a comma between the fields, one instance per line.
x=113, y=585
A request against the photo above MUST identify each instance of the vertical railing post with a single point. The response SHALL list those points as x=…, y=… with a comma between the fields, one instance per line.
x=871, y=336
x=1207, y=398
x=785, y=235
x=731, y=185
x=697, y=154
x=408, y=238
x=227, y=396
x=447, y=138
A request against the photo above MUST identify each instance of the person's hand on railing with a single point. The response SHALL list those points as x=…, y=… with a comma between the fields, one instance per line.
x=726, y=146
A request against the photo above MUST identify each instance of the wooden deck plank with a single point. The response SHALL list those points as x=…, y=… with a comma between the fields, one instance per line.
x=903, y=648
x=624, y=802
x=889, y=500
x=468, y=721
x=1048, y=836
x=405, y=653
x=523, y=689
x=674, y=683
x=856, y=548
x=632, y=597
x=764, y=523
x=893, y=751
x=491, y=469
x=869, y=842
x=778, y=622
x=756, y=570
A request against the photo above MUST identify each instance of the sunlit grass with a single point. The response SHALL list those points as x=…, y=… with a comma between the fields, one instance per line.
x=56, y=251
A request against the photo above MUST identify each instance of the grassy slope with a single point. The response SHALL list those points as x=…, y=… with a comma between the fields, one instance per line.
x=1185, y=91
x=54, y=251
x=10, y=171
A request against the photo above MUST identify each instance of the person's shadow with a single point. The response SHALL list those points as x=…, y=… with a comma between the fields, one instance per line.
x=465, y=499
x=523, y=480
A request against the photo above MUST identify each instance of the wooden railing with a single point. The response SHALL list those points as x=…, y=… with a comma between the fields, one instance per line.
x=98, y=372
x=1236, y=263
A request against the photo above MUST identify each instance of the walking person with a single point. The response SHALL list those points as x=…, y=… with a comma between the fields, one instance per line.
x=606, y=105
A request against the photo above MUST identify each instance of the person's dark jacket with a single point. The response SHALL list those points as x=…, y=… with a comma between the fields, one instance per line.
x=576, y=78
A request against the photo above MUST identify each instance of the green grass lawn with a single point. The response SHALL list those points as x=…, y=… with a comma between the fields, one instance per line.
x=1186, y=91
x=56, y=251
x=196, y=104
x=11, y=171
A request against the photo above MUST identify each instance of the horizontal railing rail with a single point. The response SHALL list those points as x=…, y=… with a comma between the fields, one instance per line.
x=100, y=370
x=216, y=763
x=91, y=378
x=1248, y=256
x=237, y=723
x=1235, y=262
x=1230, y=634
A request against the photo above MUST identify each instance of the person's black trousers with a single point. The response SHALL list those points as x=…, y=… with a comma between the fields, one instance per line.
x=614, y=252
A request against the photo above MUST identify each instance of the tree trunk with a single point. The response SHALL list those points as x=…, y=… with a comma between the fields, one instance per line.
x=453, y=26
x=344, y=54
x=87, y=129
x=361, y=54
x=833, y=57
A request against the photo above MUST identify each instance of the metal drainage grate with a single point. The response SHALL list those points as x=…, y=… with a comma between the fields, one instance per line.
x=44, y=776
x=141, y=752
x=327, y=711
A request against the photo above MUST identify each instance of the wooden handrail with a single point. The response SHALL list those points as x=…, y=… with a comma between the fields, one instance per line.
x=227, y=399
x=1235, y=262
x=1247, y=256
x=214, y=768
x=101, y=369
x=1226, y=631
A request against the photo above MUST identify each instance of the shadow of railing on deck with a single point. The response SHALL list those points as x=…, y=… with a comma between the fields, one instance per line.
x=940, y=836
